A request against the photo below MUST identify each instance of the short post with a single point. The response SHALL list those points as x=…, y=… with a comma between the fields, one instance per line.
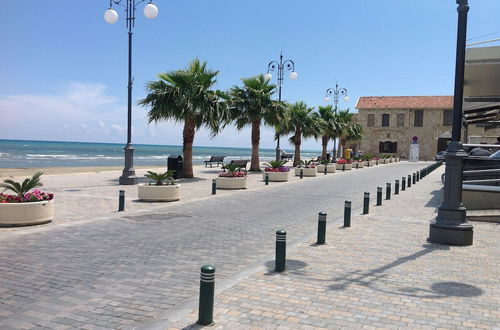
x=121, y=201
x=357, y=165
x=214, y=186
x=321, y=228
x=343, y=167
x=396, y=187
x=279, y=263
x=301, y=173
x=366, y=203
x=368, y=163
x=379, y=196
x=388, y=190
x=347, y=214
x=418, y=176
x=206, y=305
x=409, y=180
x=413, y=181
x=403, y=183
x=267, y=178
x=326, y=168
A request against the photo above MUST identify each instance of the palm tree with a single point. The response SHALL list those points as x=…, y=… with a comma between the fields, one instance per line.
x=303, y=122
x=251, y=105
x=349, y=131
x=22, y=188
x=355, y=133
x=331, y=127
x=187, y=96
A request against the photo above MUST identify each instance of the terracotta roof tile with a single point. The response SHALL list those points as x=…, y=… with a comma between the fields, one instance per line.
x=405, y=102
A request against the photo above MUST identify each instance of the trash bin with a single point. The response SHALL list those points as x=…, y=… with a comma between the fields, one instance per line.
x=175, y=163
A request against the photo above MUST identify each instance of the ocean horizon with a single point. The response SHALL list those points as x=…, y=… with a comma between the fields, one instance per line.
x=34, y=153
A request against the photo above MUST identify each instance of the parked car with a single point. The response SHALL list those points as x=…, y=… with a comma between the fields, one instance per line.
x=440, y=155
x=495, y=155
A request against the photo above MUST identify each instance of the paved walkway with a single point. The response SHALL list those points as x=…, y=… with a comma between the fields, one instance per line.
x=141, y=267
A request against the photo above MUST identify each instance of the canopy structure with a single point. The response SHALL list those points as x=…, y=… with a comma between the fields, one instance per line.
x=482, y=86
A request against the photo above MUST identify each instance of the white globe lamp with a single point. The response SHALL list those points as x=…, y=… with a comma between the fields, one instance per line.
x=268, y=76
x=346, y=98
x=111, y=16
x=150, y=10
x=293, y=75
x=326, y=99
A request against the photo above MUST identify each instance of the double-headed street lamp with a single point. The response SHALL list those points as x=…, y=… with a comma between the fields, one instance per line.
x=111, y=16
x=336, y=93
x=281, y=67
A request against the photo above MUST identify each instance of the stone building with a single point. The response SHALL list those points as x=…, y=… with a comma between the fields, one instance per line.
x=390, y=123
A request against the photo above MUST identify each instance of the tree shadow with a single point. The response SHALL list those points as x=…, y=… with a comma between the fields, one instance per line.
x=436, y=199
x=293, y=267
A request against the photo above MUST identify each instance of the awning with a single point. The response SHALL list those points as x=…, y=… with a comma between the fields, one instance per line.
x=482, y=113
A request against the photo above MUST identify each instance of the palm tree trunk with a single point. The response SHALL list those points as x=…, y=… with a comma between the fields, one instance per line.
x=255, y=164
x=297, y=141
x=324, y=143
x=187, y=147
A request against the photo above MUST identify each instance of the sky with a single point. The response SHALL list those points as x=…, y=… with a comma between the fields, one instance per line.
x=63, y=69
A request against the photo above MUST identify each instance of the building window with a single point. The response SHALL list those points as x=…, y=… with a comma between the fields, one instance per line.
x=386, y=119
x=447, y=117
x=388, y=147
x=419, y=118
x=401, y=119
x=371, y=120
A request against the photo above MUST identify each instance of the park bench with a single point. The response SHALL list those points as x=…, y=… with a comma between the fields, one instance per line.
x=287, y=157
x=242, y=163
x=214, y=159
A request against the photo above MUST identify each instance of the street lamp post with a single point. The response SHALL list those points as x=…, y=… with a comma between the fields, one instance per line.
x=336, y=94
x=451, y=225
x=281, y=67
x=111, y=16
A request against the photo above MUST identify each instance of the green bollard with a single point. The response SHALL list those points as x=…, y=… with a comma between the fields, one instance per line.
x=326, y=169
x=214, y=186
x=396, y=187
x=301, y=173
x=121, y=201
x=388, y=191
x=347, y=214
x=343, y=167
x=321, y=228
x=409, y=181
x=418, y=176
x=379, y=196
x=206, y=305
x=280, y=260
x=413, y=178
x=267, y=178
x=366, y=203
x=403, y=183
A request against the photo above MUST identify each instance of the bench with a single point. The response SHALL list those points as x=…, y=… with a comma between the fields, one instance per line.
x=242, y=163
x=214, y=159
x=287, y=157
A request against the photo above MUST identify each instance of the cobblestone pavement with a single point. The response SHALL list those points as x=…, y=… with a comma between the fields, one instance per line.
x=136, y=267
x=378, y=274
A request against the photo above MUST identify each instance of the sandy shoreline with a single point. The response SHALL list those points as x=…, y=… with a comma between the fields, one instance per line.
x=29, y=171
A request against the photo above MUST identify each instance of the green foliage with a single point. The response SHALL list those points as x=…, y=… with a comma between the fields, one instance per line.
x=160, y=178
x=307, y=163
x=276, y=163
x=231, y=167
x=367, y=157
x=325, y=161
x=21, y=188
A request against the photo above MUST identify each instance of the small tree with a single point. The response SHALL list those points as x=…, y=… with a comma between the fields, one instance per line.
x=22, y=188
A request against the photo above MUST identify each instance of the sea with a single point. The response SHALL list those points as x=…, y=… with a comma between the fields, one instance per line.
x=26, y=153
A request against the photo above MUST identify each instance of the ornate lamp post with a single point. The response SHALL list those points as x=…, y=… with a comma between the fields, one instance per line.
x=451, y=225
x=111, y=16
x=336, y=93
x=281, y=67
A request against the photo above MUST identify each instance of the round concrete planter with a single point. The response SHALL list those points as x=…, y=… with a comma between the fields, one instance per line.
x=162, y=193
x=231, y=183
x=396, y=160
x=307, y=171
x=330, y=168
x=377, y=161
x=369, y=163
x=276, y=176
x=26, y=214
x=358, y=164
x=341, y=167
x=384, y=161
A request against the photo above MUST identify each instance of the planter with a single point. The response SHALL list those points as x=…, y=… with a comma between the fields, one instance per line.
x=384, y=161
x=163, y=193
x=342, y=167
x=391, y=160
x=330, y=168
x=369, y=163
x=231, y=183
x=376, y=161
x=396, y=160
x=276, y=176
x=307, y=171
x=358, y=164
x=26, y=214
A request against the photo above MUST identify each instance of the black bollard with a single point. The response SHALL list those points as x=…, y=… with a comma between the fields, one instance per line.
x=280, y=260
x=366, y=203
x=343, y=167
x=267, y=178
x=379, y=196
x=396, y=187
x=347, y=214
x=403, y=183
x=301, y=173
x=214, y=186
x=413, y=181
x=326, y=168
x=388, y=191
x=121, y=201
x=206, y=305
x=321, y=228
x=418, y=176
x=409, y=181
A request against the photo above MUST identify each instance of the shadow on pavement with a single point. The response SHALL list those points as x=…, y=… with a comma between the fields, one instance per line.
x=292, y=267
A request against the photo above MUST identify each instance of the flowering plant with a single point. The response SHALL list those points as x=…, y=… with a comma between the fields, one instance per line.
x=343, y=161
x=276, y=166
x=232, y=171
x=22, y=190
x=307, y=163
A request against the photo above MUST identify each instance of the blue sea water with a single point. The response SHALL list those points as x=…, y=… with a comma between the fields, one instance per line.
x=24, y=153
